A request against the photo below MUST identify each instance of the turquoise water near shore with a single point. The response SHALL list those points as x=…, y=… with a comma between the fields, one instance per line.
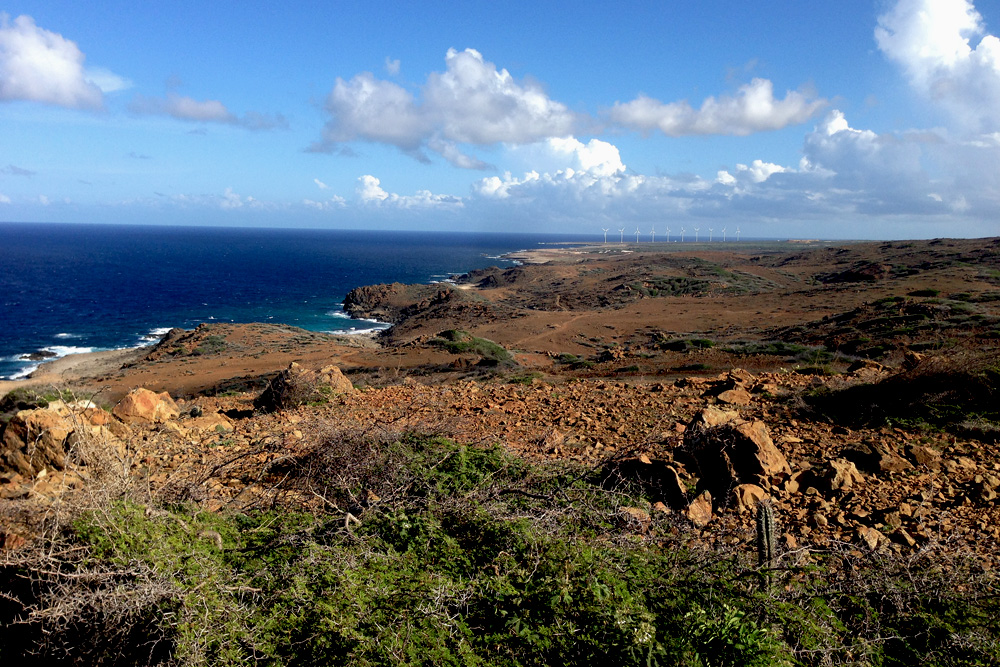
x=67, y=288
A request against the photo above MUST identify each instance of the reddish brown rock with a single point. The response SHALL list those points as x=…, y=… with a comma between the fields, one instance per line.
x=728, y=452
x=35, y=440
x=699, y=512
x=144, y=407
x=738, y=396
x=840, y=475
x=870, y=537
x=746, y=496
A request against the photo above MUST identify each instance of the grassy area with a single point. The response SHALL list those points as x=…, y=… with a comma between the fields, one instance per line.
x=424, y=551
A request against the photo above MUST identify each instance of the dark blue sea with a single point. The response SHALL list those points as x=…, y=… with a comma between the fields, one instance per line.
x=67, y=288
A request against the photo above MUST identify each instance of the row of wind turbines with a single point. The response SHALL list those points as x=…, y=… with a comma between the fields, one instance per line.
x=652, y=234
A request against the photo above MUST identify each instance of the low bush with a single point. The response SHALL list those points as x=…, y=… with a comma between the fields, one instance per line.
x=458, y=342
x=459, y=556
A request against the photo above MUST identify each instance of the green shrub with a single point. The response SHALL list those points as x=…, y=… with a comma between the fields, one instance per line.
x=471, y=556
x=458, y=342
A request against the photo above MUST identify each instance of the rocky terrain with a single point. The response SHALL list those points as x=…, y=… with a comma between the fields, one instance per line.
x=853, y=388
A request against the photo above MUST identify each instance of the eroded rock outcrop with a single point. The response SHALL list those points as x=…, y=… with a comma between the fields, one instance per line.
x=727, y=451
x=296, y=386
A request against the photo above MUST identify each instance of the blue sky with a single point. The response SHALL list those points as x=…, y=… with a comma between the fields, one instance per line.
x=787, y=119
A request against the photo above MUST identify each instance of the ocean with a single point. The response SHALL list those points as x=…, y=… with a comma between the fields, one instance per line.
x=69, y=288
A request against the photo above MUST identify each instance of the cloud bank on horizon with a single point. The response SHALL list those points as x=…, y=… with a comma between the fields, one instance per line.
x=483, y=149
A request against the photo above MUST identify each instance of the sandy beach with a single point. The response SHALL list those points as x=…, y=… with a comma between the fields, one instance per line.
x=74, y=367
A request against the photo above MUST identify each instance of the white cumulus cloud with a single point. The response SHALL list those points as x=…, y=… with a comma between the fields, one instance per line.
x=752, y=109
x=369, y=192
x=946, y=54
x=4, y=199
x=42, y=66
x=471, y=102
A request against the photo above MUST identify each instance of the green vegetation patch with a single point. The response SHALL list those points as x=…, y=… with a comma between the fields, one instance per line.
x=465, y=556
x=460, y=342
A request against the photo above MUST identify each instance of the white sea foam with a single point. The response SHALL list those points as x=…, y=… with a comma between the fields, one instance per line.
x=63, y=350
x=67, y=335
x=57, y=351
x=24, y=372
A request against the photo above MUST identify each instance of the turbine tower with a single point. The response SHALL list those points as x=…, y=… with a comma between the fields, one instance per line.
x=636, y=234
x=682, y=234
x=621, y=235
x=696, y=230
x=668, y=235
x=605, y=234
x=737, y=234
x=723, y=234
x=711, y=234
x=652, y=235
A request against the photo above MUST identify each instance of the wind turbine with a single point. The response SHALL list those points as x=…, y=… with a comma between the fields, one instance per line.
x=668, y=235
x=723, y=234
x=737, y=234
x=636, y=234
x=682, y=234
x=652, y=235
x=711, y=234
x=605, y=234
x=696, y=230
x=621, y=235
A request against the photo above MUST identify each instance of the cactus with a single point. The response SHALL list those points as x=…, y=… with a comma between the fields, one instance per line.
x=765, y=534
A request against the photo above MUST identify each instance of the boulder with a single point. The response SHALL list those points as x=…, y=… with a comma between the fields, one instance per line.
x=870, y=537
x=296, y=386
x=144, y=407
x=737, y=396
x=655, y=479
x=746, y=496
x=875, y=458
x=210, y=422
x=35, y=440
x=839, y=475
x=727, y=451
x=699, y=512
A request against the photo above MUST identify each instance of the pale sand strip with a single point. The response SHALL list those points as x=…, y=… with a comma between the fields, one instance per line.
x=75, y=367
